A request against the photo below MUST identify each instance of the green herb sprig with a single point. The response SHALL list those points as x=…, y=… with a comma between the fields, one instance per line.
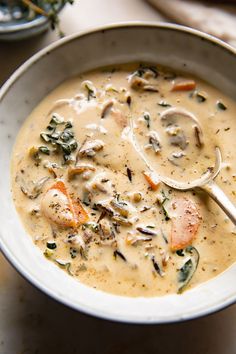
x=46, y=8
x=63, y=141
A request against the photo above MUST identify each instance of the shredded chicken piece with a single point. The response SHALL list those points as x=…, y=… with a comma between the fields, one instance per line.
x=79, y=169
x=119, y=118
x=90, y=147
x=106, y=231
x=99, y=183
x=138, y=83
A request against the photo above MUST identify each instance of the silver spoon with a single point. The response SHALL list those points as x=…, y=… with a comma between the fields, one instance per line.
x=205, y=182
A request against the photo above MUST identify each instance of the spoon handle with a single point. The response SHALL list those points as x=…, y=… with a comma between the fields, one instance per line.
x=221, y=199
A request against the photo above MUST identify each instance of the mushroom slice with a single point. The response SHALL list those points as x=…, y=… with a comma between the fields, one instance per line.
x=78, y=169
x=36, y=189
x=154, y=141
x=138, y=83
x=133, y=239
x=100, y=183
x=177, y=136
x=171, y=119
x=90, y=147
x=106, y=108
x=171, y=116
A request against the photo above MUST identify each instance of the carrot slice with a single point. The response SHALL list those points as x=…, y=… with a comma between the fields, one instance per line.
x=80, y=216
x=152, y=180
x=184, y=85
x=185, y=223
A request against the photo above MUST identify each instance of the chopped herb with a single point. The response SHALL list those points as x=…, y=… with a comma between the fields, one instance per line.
x=66, y=135
x=45, y=137
x=54, y=135
x=68, y=125
x=117, y=253
x=64, y=265
x=63, y=140
x=51, y=245
x=187, y=271
x=165, y=213
x=66, y=148
x=129, y=174
x=147, y=118
x=220, y=105
x=73, y=252
x=164, y=104
x=73, y=145
x=165, y=198
x=44, y=150
x=56, y=119
x=91, y=93
x=157, y=267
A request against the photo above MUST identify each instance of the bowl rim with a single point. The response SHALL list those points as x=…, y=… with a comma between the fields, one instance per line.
x=4, y=249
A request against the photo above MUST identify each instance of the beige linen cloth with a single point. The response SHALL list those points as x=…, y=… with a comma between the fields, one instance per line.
x=214, y=18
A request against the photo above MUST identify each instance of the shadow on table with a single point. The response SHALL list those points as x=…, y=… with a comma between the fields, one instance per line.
x=39, y=325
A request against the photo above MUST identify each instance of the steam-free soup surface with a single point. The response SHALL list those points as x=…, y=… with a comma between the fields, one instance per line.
x=86, y=183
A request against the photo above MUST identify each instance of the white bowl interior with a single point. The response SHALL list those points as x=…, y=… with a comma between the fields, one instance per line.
x=169, y=45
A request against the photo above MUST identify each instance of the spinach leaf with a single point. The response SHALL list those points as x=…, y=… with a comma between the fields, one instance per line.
x=186, y=272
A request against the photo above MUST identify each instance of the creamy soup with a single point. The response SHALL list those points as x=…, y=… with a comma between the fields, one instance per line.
x=86, y=182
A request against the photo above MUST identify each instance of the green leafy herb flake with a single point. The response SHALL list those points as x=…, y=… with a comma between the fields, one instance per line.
x=51, y=245
x=64, y=265
x=165, y=212
x=44, y=150
x=186, y=272
x=91, y=93
x=147, y=118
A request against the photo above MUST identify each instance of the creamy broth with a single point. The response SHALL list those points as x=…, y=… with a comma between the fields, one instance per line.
x=84, y=179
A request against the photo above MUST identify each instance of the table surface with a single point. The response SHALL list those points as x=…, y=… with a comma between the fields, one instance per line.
x=32, y=323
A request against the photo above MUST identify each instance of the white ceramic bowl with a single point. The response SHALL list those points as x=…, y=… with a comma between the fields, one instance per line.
x=171, y=45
